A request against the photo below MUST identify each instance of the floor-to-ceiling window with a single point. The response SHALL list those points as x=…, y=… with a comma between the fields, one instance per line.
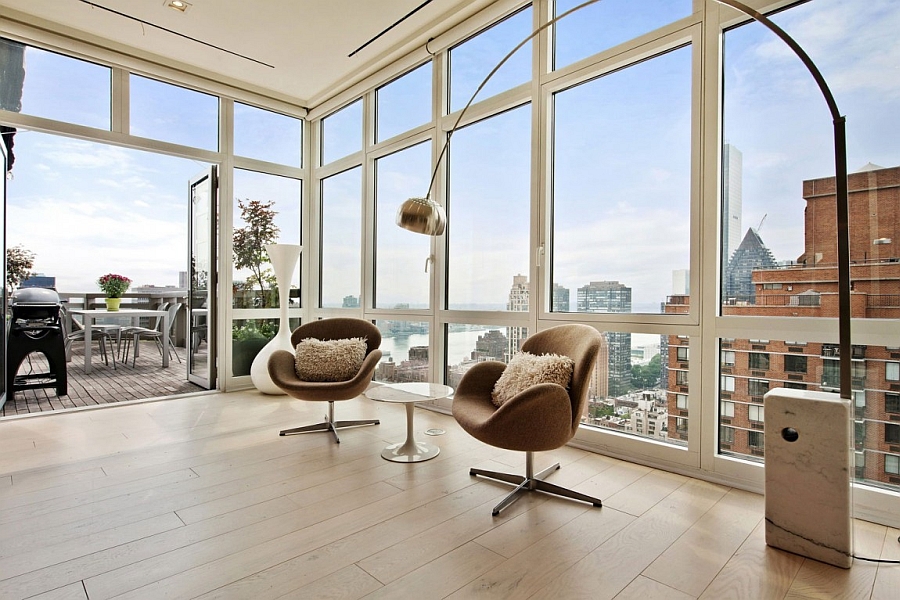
x=267, y=191
x=104, y=161
x=778, y=242
x=662, y=174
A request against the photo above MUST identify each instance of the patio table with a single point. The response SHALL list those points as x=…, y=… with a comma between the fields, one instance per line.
x=91, y=315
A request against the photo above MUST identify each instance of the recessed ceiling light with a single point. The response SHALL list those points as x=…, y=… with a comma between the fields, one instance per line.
x=178, y=4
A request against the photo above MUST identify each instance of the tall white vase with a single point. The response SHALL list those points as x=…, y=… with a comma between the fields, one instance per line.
x=284, y=260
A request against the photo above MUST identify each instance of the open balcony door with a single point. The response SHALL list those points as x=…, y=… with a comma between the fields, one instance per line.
x=202, y=281
x=3, y=390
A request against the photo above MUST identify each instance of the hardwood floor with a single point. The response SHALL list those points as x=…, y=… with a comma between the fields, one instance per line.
x=199, y=497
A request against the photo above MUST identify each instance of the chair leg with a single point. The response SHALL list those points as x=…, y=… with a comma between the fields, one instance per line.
x=103, y=352
x=530, y=482
x=329, y=425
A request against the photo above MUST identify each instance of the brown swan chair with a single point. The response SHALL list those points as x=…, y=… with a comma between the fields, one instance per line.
x=542, y=417
x=281, y=370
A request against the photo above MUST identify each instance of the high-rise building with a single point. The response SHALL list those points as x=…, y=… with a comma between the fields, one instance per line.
x=732, y=200
x=752, y=255
x=560, y=300
x=39, y=280
x=611, y=297
x=681, y=282
x=518, y=302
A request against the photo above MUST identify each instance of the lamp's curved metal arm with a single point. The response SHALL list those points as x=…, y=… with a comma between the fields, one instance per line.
x=483, y=83
x=840, y=159
x=840, y=188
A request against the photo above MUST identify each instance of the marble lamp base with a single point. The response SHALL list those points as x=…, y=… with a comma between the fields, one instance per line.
x=808, y=460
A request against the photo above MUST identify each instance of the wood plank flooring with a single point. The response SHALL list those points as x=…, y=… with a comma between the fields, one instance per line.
x=199, y=497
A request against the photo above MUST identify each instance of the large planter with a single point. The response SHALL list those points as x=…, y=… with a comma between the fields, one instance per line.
x=113, y=304
x=284, y=259
x=242, y=354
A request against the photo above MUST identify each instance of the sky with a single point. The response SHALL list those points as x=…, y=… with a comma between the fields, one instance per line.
x=622, y=150
x=121, y=210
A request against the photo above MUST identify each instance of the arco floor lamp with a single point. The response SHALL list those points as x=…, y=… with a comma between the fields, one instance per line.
x=424, y=215
x=820, y=527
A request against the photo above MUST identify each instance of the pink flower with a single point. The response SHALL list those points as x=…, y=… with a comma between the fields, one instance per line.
x=113, y=285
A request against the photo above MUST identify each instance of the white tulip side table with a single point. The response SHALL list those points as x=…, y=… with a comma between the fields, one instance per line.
x=408, y=394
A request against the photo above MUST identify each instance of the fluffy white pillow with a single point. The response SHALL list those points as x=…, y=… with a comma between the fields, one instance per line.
x=526, y=370
x=329, y=360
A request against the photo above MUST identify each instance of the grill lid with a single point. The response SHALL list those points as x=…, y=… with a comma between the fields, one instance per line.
x=34, y=296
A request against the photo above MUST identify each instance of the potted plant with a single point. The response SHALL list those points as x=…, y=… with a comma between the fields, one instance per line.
x=247, y=339
x=113, y=286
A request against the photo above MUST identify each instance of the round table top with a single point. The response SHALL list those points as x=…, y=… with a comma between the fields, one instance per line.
x=408, y=392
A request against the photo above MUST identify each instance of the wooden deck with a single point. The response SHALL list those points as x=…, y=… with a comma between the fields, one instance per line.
x=104, y=385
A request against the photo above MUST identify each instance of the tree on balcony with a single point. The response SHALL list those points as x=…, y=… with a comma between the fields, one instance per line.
x=249, y=246
x=19, y=262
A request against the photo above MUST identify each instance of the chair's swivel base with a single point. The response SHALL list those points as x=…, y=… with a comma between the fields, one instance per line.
x=531, y=482
x=329, y=425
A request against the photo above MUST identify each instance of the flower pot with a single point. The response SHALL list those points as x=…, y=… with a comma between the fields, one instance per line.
x=113, y=303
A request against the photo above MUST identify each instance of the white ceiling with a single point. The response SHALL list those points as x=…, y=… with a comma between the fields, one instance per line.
x=307, y=42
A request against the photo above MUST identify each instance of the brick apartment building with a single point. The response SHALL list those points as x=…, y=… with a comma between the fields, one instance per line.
x=808, y=288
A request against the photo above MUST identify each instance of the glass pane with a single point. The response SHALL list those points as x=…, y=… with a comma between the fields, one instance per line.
x=96, y=228
x=471, y=61
x=403, y=104
x=342, y=133
x=484, y=258
x=780, y=141
x=53, y=86
x=341, y=266
x=400, y=255
x=639, y=387
x=266, y=211
x=404, y=348
x=812, y=366
x=468, y=344
x=606, y=24
x=202, y=284
x=266, y=135
x=622, y=185
x=165, y=112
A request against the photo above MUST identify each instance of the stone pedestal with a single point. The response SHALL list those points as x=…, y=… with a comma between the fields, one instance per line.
x=808, y=467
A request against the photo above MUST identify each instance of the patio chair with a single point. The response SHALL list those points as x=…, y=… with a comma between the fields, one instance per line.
x=136, y=334
x=104, y=334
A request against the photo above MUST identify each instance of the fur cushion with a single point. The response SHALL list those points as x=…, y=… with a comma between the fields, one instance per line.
x=329, y=360
x=526, y=370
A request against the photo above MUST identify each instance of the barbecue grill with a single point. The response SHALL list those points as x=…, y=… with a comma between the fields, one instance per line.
x=35, y=327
